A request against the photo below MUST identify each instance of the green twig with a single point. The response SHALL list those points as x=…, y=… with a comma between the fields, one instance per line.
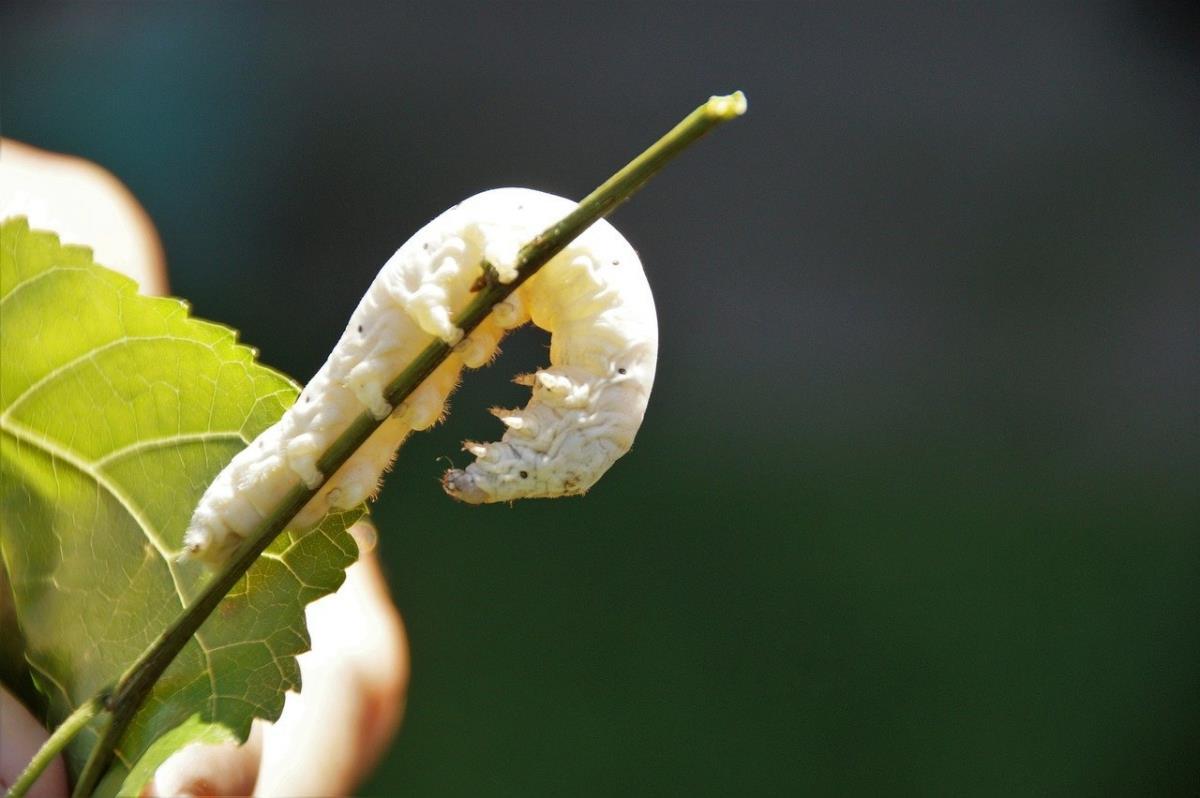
x=136, y=683
x=76, y=722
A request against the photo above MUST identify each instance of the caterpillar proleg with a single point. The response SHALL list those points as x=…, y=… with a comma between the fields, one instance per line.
x=585, y=407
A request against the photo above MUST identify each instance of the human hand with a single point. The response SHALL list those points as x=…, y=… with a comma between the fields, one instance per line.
x=356, y=675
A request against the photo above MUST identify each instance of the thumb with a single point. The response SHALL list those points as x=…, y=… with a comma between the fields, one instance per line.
x=20, y=738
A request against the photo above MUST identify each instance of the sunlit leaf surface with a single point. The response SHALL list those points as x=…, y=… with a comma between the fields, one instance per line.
x=116, y=410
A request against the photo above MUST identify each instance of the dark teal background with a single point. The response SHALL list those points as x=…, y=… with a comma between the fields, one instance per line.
x=915, y=509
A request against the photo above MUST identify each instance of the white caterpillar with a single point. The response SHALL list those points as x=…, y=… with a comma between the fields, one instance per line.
x=585, y=410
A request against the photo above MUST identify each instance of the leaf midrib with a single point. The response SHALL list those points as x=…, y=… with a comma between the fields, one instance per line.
x=55, y=450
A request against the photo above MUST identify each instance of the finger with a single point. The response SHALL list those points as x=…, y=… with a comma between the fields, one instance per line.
x=20, y=738
x=199, y=770
x=355, y=678
x=85, y=205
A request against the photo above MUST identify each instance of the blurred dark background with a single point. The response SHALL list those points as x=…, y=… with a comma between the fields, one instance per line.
x=916, y=505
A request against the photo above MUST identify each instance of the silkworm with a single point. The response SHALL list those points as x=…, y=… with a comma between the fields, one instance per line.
x=585, y=407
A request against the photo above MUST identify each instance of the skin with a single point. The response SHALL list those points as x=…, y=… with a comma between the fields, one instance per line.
x=356, y=675
x=20, y=737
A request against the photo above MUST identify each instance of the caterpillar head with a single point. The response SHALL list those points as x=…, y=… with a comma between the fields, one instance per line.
x=474, y=485
x=505, y=472
x=501, y=473
x=467, y=487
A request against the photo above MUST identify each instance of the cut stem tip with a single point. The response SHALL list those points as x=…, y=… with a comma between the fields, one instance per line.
x=727, y=107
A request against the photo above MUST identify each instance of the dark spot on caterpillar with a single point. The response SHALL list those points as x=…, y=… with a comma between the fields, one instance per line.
x=524, y=475
x=520, y=207
x=616, y=262
x=620, y=371
x=425, y=246
x=485, y=279
x=360, y=328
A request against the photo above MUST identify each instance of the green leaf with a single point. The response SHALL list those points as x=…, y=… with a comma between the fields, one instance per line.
x=116, y=411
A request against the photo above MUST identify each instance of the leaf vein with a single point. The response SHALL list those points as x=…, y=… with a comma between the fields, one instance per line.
x=168, y=440
x=79, y=360
x=62, y=454
x=28, y=281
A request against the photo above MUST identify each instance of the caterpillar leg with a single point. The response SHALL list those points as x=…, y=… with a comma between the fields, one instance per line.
x=302, y=452
x=563, y=386
x=366, y=382
x=359, y=479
